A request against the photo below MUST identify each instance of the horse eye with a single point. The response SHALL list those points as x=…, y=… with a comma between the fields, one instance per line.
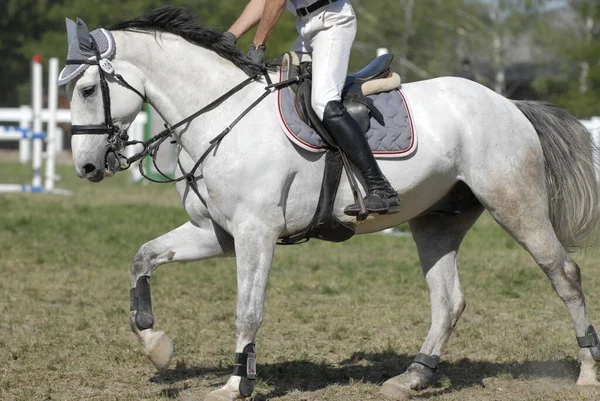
x=89, y=91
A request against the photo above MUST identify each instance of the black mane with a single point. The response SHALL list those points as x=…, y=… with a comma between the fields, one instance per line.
x=184, y=23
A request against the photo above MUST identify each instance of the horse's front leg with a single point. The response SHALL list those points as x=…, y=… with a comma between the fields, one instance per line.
x=254, y=248
x=191, y=241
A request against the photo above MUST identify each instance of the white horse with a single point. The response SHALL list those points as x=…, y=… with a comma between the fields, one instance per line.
x=529, y=164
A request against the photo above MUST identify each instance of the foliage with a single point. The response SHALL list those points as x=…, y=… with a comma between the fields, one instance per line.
x=429, y=38
x=577, y=87
x=22, y=22
x=425, y=35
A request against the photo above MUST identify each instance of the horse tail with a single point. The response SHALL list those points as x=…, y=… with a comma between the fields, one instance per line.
x=570, y=162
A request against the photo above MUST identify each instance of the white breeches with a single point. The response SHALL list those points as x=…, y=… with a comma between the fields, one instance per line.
x=327, y=34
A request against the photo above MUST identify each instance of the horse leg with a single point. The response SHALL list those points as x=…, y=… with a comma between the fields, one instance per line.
x=521, y=208
x=438, y=238
x=191, y=241
x=254, y=253
x=537, y=236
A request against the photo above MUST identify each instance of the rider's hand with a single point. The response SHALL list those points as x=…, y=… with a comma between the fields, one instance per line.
x=256, y=54
x=229, y=37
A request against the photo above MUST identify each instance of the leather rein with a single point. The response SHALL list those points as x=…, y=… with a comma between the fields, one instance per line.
x=118, y=138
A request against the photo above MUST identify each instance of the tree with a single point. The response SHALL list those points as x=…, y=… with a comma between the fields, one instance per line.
x=425, y=35
x=29, y=27
x=429, y=38
x=21, y=21
x=501, y=29
x=577, y=43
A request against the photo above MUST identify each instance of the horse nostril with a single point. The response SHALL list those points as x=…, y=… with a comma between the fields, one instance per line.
x=88, y=168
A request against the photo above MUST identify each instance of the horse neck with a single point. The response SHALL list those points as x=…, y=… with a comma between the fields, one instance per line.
x=181, y=78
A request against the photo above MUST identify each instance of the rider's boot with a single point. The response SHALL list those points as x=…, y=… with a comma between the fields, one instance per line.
x=381, y=197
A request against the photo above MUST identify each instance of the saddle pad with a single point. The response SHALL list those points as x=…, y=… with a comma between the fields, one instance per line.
x=396, y=139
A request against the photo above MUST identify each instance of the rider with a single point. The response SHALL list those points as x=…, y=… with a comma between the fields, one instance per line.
x=326, y=29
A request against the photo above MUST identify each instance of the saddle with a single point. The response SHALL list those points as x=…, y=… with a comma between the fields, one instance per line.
x=374, y=78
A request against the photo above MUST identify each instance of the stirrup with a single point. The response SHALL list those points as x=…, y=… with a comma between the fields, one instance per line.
x=379, y=202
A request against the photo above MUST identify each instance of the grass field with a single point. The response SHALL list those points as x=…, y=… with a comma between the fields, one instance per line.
x=340, y=318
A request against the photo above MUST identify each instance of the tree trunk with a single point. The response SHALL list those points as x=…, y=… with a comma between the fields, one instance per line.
x=498, y=49
x=585, y=66
x=409, y=11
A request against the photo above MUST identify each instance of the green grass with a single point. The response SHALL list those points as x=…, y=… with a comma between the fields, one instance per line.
x=340, y=318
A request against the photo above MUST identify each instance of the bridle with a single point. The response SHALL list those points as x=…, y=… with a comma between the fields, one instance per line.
x=118, y=139
x=116, y=136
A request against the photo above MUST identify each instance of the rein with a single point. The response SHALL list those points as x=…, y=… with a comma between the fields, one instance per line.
x=152, y=145
x=119, y=139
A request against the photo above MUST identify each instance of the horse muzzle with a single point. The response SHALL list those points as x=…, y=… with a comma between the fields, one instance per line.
x=92, y=173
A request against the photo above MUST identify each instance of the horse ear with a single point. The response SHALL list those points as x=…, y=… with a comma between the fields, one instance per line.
x=83, y=35
x=71, y=31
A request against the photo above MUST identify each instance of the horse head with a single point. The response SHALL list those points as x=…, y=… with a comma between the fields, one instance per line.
x=103, y=103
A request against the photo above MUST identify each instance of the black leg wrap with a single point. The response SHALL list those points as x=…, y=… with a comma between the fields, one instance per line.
x=428, y=366
x=133, y=299
x=245, y=367
x=141, y=299
x=590, y=340
x=430, y=362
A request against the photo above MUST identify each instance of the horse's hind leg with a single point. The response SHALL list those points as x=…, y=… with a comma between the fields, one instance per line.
x=535, y=233
x=190, y=241
x=521, y=208
x=438, y=238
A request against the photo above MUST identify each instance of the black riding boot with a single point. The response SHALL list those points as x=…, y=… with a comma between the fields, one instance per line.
x=381, y=197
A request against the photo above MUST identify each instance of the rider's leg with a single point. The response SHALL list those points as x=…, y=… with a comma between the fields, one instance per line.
x=381, y=197
x=331, y=36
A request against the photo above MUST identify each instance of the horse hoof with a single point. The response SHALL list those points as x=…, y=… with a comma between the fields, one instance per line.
x=586, y=382
x=157, y=347
x=221, y=394
x=224, y=394
x=396, y=389
x=229, y=392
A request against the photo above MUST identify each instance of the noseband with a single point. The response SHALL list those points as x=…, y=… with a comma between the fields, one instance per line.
x=117, y=138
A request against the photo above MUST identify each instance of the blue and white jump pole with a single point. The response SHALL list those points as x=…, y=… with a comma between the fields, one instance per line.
x=35, y=136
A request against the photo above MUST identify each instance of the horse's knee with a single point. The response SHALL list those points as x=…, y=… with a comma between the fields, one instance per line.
x=143, y=262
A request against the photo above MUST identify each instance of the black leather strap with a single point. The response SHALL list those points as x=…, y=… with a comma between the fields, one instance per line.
x=313, y=7
x=94, y=129
x=589, y=340
x=430, y=362
x=117, y=77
